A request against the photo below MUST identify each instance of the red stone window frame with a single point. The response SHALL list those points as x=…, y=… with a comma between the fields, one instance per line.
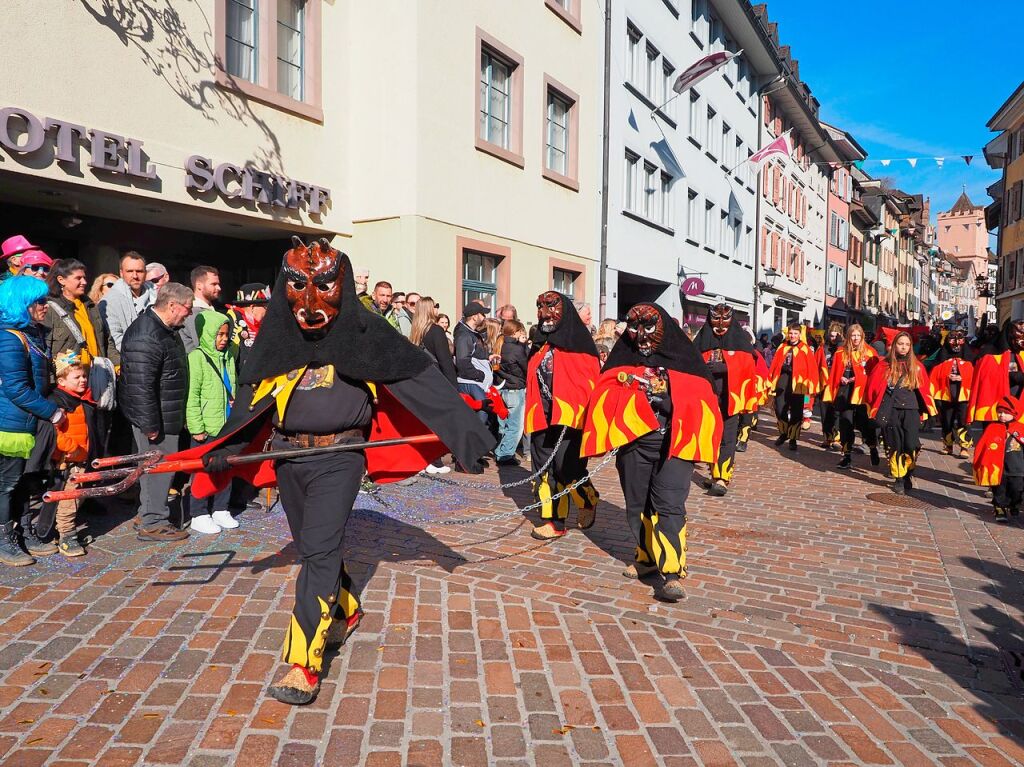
x=571, y=179
x=579, y=285
x=571, y=17
x=504, y=277
x=514, y=154
x=264, y=89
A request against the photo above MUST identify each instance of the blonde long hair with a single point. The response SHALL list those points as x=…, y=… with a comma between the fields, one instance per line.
x=902, y=370
x=848, y=349
x=493, y=328
x=424, y=316
x=97, y=290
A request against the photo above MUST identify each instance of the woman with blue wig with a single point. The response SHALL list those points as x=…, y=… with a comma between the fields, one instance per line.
x=24, y=379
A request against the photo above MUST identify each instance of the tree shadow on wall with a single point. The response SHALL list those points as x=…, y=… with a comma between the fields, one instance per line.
x=183, y=57
x=991, y=671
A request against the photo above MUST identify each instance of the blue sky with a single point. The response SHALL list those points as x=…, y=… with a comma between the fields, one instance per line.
x=910, y=79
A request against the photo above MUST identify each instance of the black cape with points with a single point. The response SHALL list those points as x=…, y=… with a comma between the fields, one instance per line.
x=571, y=335
x=677, y=352
x=735, y=339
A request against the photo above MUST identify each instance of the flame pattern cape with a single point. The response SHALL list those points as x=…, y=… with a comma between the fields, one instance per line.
x=804, y=379
x=823, y=371
x=571, y=386
x=990, y=382
x=990, y=452
x=745, y=385
x=619, y=413
x=860, y=365
x=762, y=378
x=940, y=380
x=878, y=381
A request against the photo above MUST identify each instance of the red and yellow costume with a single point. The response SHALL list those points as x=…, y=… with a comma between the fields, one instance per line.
x=952, y=397
x=793, y=376
x=999, y=461
x=848, y=399
x=904, y=405
x=990, y=383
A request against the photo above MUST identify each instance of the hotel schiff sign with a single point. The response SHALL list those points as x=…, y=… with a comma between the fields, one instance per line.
x=23, y=134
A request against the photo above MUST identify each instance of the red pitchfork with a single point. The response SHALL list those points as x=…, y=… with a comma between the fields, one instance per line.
x=120, y=472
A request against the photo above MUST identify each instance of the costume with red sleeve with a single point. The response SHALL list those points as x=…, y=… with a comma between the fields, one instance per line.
x=951, y=378
x=999, y=461
x=824, y=356
x=729, y=354
x=560, y=378
x=844, y=388
x=659, y=409
x=998, y=374
x=748, y=421
x=793, y=376
x=899, y=406
x=324, y=371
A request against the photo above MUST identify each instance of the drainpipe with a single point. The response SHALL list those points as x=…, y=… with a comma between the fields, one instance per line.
x=755, y=314
x=605, y=161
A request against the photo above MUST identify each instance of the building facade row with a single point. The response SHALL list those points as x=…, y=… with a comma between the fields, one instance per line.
x=467, y=164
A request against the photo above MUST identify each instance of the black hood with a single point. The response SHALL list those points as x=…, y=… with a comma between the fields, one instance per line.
x=735, y=339
x=571, y=335
x=360, y=344
x=1001, y=344
x=946, y=353
x=677, y=352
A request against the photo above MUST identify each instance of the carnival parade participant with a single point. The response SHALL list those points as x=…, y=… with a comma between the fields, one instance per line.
x=951, y=384
x=748, y=421
x=997, y=374
x=729, y=354
x=323, y=372
x=655, y=403
x=899, y=396
x=843, y=390
x=793, y=376
x=999, y=459
x=824, y=355
x=559, y=380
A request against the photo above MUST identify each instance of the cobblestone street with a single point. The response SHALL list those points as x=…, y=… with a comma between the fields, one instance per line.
x=822, y=625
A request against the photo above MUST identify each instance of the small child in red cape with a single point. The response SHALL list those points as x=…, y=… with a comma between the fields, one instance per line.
x=999, y=459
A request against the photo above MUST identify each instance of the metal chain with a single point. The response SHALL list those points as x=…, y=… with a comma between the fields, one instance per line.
x=375, y=494
x=507, y=485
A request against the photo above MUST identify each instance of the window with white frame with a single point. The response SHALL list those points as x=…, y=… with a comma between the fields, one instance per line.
x=699, y=19
x=714, y=138
x=728, y=145
x=710, y=227
x=696, y=118
x=564, y=281
x=633, y=53
x=557, y=134
x=668, y=78
x=748, y=246
x=724, y=242
x=652, y=75
x=665, y=198
x=242, y=37
x=495, y=99
x=631, y=180
x=649, y=194
x=693, y=216
x=290, y=45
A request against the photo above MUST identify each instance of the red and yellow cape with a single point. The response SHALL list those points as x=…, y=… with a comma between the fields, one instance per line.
x=833, y=381
x=619, y=413
x=742, y=378
x=571, y=386
x=990, y=452
x=940, y=380
x=804, y=379
x=878, y=381
x=990, y=382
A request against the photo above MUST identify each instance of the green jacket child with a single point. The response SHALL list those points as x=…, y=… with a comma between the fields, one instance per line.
x=211, y=376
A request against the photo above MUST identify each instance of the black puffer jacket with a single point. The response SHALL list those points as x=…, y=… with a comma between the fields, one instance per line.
x=153, y=384
x=514, y=364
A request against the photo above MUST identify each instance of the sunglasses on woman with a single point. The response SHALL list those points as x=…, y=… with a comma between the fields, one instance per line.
x=108, y=284
x=38, y=269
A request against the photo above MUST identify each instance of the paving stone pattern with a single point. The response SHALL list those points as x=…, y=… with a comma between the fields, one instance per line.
x=820, y=627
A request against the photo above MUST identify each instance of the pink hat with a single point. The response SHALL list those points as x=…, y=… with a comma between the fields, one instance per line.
x=36, y=257
x=16, y=245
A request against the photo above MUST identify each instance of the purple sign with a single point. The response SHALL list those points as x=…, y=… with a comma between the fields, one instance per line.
x=692, y=286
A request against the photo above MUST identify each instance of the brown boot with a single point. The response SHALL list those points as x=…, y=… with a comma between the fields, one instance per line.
x=164, y=532
x=297, y=688
x=341, y=630
x=671, y=591
x=586, y=517
x=638, y=570
x=548, y=531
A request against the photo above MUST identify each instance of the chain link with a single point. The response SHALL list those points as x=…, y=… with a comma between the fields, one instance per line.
x=507, y=485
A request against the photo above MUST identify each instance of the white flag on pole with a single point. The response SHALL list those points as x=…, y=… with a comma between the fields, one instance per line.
x=702, y=68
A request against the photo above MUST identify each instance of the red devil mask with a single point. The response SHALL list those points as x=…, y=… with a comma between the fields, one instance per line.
x=645, y=328
x=721, y=319
x=956, y=340
x=313, y=280
x=549, y=311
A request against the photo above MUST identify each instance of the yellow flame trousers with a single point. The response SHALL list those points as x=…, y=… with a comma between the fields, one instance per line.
x=317, y=494
x=655, y=487
x=727, y=449
x=829, y=421
x=902, y=441
x=566, y=468
x=789, y=410
x=748, y=422
x=952, y=416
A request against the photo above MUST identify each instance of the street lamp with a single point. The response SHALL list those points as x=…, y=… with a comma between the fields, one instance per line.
x=770, y=275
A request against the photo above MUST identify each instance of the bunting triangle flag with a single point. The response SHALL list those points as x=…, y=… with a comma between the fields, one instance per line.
x=968, y=158
x=779, y=146
x=885, y=163
x=912, y=161
x=859, y=164
x=939, y=161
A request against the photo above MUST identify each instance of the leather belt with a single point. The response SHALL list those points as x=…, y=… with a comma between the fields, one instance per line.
x=299, y=439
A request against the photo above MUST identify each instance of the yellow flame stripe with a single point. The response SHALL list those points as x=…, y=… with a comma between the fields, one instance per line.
x=632, y=420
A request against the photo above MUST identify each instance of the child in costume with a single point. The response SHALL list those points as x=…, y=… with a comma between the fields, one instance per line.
x=999, y=459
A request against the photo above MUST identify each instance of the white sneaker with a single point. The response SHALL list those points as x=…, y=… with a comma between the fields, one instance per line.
x=204, y=524
x=224, y=520
x=431, y=469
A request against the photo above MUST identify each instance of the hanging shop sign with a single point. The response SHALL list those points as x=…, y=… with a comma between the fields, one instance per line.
x=23, y=133
x=692, y=286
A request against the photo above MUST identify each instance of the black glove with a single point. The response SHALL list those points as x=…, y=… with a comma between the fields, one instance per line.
x=486, y=406
x=216, y=461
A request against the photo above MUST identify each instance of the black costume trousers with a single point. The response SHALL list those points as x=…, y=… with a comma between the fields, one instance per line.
x=829, y=421
x=566, y=468
x=317, y=494
x=855, y=417
x=789, y=410
x=1009, y=493
x=727, y=449
x=655, y=488
x=748, y=423
x=953, y=417
x=903, y=441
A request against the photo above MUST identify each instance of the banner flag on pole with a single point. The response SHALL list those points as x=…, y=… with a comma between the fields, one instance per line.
x=631, y=120
x=779, y=146
x=702, y=68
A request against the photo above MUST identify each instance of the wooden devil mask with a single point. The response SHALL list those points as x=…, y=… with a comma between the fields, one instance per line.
x=313, y=276
x=549, y=311
x=645, y=328
x=721, y=319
